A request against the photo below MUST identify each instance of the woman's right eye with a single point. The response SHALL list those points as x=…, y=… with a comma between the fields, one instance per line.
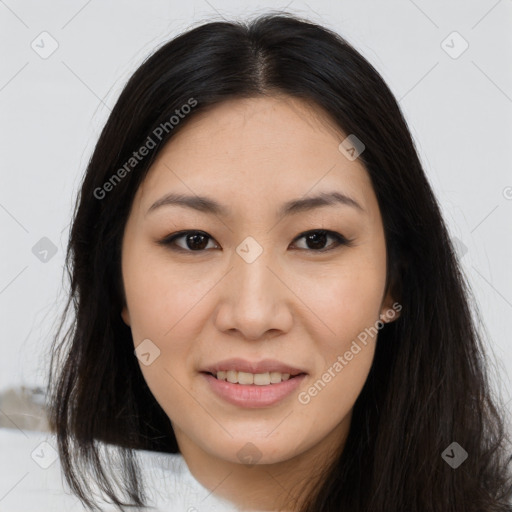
x=192, y=241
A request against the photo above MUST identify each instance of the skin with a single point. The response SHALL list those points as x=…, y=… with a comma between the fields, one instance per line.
x=293, y=303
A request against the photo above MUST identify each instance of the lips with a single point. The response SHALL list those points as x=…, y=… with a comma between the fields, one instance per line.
x=242, y=365
x=253, y=396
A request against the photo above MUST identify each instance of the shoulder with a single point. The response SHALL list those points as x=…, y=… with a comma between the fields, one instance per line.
x=31, y=478
x=30, y=474
x=170, y=482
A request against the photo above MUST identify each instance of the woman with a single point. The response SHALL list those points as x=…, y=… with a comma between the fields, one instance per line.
x=264, y=285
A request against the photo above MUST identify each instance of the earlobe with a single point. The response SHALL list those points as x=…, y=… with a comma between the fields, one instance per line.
x=125, y=316
x=389, y=315
x=390, y=311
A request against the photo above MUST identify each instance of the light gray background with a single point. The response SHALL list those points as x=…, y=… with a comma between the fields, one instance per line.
x=458, y=109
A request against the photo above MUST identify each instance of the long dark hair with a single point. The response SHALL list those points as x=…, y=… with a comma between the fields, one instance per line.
x=428, y=386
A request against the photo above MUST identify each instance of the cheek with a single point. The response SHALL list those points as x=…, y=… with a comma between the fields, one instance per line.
x=331, y=395
x=167, y=306
x=162, y=297
x=350, y=309
x=348, y=349
x=347, y=299
x=167, y=309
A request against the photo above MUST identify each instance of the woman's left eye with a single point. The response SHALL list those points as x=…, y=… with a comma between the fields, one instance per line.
x=318, y=237
x=197, y=241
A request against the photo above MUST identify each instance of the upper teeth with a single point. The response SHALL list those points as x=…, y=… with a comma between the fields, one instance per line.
x=260, y=379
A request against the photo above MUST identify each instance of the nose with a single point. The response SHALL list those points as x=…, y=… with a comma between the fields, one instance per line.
x=254, y=301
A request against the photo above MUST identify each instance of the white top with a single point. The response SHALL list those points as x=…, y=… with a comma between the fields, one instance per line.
x=31, y=479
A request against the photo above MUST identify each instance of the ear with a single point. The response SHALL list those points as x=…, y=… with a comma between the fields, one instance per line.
x=125, y=315
x=390, y=309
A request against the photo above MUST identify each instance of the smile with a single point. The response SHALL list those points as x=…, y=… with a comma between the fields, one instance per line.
x=252, y=395
x=246, y=378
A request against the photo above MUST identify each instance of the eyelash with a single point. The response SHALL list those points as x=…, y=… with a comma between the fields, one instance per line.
x=340, y=240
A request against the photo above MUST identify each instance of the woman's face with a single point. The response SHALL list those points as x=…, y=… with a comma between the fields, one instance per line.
x=250, y=285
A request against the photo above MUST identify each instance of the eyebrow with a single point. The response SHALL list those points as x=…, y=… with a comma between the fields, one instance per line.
x=208, y=205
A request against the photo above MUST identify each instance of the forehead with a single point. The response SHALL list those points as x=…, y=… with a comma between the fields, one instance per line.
x=257, y=149
x=245, y=126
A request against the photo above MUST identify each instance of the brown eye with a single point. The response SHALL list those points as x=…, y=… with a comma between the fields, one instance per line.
x=317, y=239
x=193, y=241
x=197, y=241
